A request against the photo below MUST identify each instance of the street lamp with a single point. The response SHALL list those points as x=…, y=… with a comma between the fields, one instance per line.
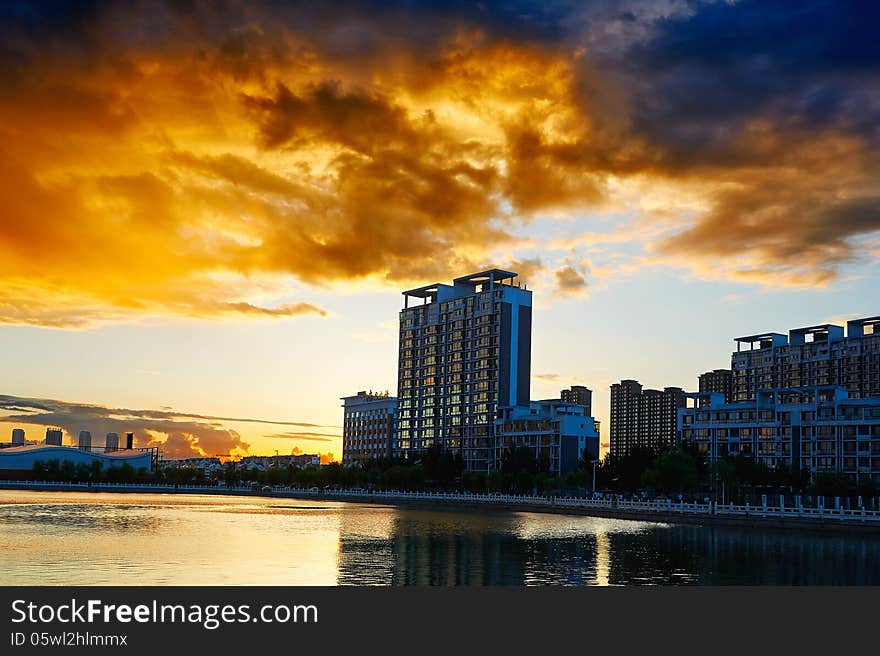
x=595, y=462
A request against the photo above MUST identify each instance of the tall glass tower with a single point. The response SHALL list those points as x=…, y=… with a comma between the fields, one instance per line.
x=465, y=351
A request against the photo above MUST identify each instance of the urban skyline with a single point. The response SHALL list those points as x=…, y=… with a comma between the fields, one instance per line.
x=209, y=211
x=717, y=380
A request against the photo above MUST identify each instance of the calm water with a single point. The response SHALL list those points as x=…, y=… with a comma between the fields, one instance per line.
x=55, y=538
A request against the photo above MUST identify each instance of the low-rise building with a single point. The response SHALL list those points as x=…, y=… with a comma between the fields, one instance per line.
x=809, y=429
x=557, y=432
x=264, y=463
x=18, y=461
x=210, y=466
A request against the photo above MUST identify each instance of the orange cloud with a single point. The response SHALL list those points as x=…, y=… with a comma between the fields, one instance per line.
x=225, y=160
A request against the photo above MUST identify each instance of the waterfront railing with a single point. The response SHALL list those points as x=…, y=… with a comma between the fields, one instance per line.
x=663, y=507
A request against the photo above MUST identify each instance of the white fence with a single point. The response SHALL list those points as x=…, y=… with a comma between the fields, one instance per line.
x=664, y=507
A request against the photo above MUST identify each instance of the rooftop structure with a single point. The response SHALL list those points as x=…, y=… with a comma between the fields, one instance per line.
x=464, y=352
x=810, y=356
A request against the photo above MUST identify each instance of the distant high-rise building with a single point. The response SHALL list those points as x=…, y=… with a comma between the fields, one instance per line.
x=129, y=441
x=717, y=380
x=53, y=436
x=643, y=417
x=111, y=443
x=85, y=440
x=368, y=426
x=17, y=436
x=579, y=395
x=464, y=353
x=815, y=356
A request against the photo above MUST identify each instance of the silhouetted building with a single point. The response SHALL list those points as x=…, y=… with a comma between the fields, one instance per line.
x=815, y=356
x=717, y=380
x=129, y=440
x=643, y=417
x=85, y=440
x=17, y=436
x=53, y=436
x=111, y=443
x=579, y=395
x=464, y=353
x=368, y=426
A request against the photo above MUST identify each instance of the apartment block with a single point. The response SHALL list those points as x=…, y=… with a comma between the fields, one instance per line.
x=810, y=357
x=579, y=395
x=809, y=429
x=368, y=427
x=464, y=352
x=557, y=432
x=643, y=417
x=717, y=380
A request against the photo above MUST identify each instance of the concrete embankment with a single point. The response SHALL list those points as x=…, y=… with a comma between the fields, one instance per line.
x=830, y=523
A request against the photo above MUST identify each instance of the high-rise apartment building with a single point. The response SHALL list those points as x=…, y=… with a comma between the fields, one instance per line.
x=717, y=380
x=85, y=440
x=368, y=426
x=111, y=442
x=643, y=417
x=810, y=357
x=53, y=436
x=465, y=351
x=17, y=436
x=579, y=395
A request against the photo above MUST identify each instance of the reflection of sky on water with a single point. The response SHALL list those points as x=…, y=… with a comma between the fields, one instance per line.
x=89, y=538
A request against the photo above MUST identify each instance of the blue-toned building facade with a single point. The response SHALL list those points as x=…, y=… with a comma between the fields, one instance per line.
x=808, y=429
x=464, y=352
x=557, y=432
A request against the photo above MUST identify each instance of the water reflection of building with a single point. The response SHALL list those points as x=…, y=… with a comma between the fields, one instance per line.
x=419, y=547
x=704, y=555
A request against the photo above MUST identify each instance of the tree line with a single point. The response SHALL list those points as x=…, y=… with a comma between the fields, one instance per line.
x=643, y=471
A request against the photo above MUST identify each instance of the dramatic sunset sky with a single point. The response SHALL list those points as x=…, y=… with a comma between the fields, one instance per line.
x=208, y=209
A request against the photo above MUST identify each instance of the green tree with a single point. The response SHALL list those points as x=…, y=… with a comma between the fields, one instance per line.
x=674, y=470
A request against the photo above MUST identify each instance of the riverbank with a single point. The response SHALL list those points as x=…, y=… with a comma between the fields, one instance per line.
x=761, y=517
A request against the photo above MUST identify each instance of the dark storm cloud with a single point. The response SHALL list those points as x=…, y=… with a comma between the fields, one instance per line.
x=702, y=78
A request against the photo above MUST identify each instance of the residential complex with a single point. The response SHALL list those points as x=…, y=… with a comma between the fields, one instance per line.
x=464, y=352
x=643, y=417
x=808, y=401
x=368, y=426
x=263, y=463
x=464, y=372
x=579, y=395
x=717, y=380
x=557, y=432
x=810, y=357
x=809, y=429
